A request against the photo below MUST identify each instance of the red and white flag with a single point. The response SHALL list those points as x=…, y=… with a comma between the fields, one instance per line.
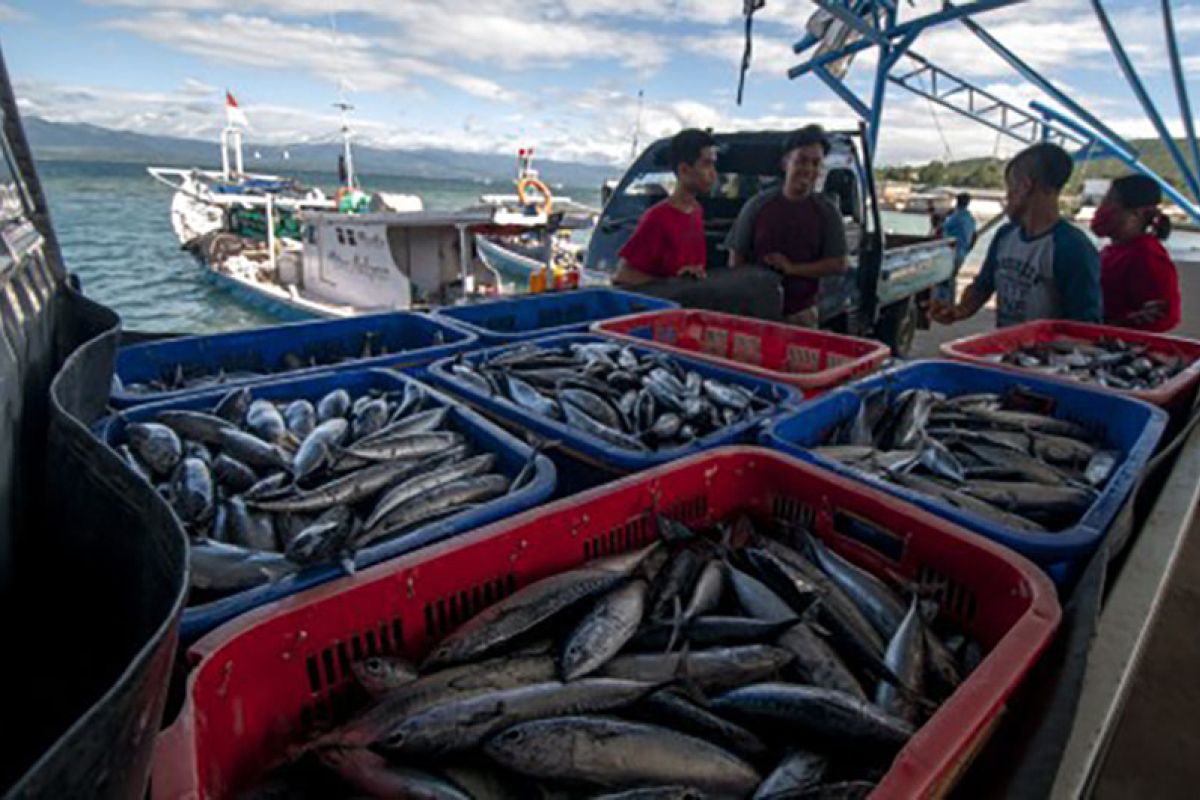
x=233, y=112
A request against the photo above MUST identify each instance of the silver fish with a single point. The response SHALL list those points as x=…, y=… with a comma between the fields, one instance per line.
x=615, y=754
x=602, y=633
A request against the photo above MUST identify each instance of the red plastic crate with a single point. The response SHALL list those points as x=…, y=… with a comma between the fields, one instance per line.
x=265, y=680
x=1176, y=395
x=812, y=361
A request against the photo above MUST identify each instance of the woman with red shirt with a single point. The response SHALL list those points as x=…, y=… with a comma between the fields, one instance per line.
x=1138, y=278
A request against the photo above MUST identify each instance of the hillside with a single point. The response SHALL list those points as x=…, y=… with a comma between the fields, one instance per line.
x=81, y=141
x=988, y=173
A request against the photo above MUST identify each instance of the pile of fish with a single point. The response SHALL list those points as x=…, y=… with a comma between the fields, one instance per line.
x=635, y=401
x=724, y=665
x=1107, y=361
x=196, y=376
x=998, y=457
x=265, y=488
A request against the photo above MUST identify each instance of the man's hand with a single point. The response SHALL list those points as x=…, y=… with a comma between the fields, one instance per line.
x=944, y=311
x=778, y=262
x=692, y=271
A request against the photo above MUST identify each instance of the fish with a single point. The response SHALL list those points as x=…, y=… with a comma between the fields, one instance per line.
x=710, y=670
x=335, y=404
x=445, y=499
x=530, y=398
x=318, y=447
x=198, y=425
x=820, y=712
x=521, y=612
x=670, y=708
x=940, y=446
x=325, y=539
x=672, y=582
x=192, y=490
x=345, y=490
x=233, y=474
x=613, y=754
x=411, y=446
x=420, y=484
x=798, y=771
x=222, y=567
x=604, y=630
x=1032, y=498
x=264, y=421
x=433, y=690
x=707, y=591
x=252, y=451
x=879, y=604
x=134, y=463
x=300, y=417
x=156, y=445
x=381, y=674
x=370, y=418
x=905, y=656
x=756, y=598
x=370, y=773
x=815, y=662
x=710, y=631
x=1108, y=361
x=464, y=724
x=234, y=405
x=629, y=399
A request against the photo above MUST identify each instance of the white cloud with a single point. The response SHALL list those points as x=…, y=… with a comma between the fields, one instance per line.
x=10, y=14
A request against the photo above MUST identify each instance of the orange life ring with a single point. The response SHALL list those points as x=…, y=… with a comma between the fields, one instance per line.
x=543, y=189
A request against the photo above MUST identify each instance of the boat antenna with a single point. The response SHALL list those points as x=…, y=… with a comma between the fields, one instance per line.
x=637, y=127
x=347, y=165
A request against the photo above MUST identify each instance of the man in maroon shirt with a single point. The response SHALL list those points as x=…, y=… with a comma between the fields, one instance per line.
x=793, y=230
x=669, y=239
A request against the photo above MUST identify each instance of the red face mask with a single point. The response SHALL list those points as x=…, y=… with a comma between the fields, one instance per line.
x=1104, y=220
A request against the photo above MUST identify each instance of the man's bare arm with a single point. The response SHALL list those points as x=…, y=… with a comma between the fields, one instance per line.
x=810, y=269
x=628, y=276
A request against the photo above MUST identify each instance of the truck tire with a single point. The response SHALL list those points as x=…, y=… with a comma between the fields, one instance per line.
x=897, y=327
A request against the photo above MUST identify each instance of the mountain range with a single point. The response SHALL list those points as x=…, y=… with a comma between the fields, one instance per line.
x=83, y=141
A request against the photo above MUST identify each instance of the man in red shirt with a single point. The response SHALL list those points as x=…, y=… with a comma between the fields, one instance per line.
x=794, y=230
x=669, y=239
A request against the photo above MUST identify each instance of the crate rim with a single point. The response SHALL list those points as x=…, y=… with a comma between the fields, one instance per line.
x=1161, y=396
x=124, y=399
x=490, y=337
x=1022, y=644
x=820, y=381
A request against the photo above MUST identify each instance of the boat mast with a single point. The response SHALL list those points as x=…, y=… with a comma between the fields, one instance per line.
x=637, y=127
x=347, y=153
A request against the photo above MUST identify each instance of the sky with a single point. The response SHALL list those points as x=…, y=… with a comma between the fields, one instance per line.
x=562, y=76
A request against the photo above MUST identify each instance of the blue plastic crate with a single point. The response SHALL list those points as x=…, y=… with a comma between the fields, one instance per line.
x=1130, y=427
x=587, y=460
x=537, y=315
x=412, y=340
x=484, y=435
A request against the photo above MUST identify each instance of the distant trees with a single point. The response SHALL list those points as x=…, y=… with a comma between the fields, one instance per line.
x=988, y=173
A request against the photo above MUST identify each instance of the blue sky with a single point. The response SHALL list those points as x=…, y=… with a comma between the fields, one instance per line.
x=560, y=75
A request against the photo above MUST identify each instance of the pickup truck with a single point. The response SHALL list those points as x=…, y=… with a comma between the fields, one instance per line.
x=879, y=296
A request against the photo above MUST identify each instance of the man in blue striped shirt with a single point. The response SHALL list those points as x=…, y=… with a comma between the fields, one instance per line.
x=1039, y=265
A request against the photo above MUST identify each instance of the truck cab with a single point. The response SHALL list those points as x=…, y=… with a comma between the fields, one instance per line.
x=878, y=296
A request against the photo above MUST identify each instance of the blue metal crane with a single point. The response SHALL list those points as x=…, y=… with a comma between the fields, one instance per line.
x=843, y=28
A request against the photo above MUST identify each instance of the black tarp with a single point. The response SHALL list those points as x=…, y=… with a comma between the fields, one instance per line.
x=92, y=563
